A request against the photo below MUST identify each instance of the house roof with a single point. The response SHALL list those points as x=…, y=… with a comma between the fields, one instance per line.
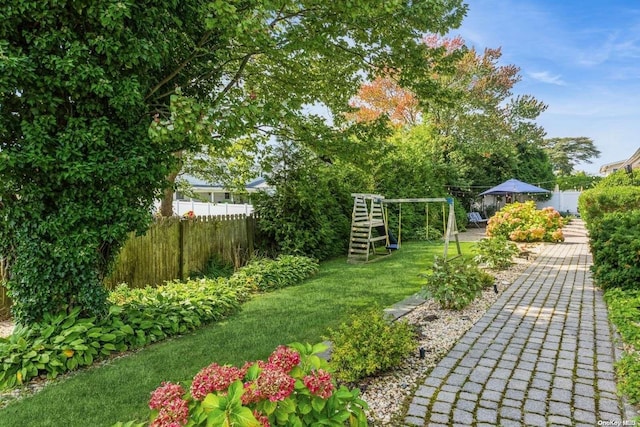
x=634, y=159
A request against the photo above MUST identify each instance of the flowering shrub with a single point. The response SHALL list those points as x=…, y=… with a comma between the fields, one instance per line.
x=522, y=222
x=292, y=388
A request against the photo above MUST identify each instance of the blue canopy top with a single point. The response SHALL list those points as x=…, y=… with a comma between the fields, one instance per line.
x=513, y=186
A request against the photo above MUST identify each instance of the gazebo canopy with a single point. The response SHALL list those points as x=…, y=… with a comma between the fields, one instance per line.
x=513, y=186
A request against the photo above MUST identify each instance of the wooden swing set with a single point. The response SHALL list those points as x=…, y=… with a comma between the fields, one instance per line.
x=371, y=237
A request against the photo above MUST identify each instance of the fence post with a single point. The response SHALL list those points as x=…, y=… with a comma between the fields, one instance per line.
x=181, y=240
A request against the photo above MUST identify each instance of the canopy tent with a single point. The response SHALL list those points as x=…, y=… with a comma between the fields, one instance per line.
x=513, y=186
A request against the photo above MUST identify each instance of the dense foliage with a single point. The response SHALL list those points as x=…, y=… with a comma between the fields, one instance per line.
x=291, y=388
x=522, y=222
x=137, y=317
x=615, y=244
x=99, y=102
x=620, y=178
x=369, y=343
x=595, y=203
x=454, y=284
x=310, y=211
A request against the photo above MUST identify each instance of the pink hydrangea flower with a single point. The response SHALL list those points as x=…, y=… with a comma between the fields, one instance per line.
x=214, y=378
x=274, y=384
x=262, y=418
x=175, y=413
x=164, y=394
x=285, y=358
x=319, y=383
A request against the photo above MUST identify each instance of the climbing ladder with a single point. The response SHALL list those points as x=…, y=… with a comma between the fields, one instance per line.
x=367, y=216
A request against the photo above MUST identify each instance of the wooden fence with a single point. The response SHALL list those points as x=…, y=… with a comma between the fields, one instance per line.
x=173, y=248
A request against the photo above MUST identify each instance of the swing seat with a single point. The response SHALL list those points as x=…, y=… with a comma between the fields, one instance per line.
x=392, y=247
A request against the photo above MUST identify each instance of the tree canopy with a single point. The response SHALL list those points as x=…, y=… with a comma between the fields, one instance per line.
x=566, y=153
x=97, y=98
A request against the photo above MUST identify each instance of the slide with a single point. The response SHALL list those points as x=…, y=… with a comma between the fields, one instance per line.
x=393, y=241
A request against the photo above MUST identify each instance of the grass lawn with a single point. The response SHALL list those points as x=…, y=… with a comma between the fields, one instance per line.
x=119, y=391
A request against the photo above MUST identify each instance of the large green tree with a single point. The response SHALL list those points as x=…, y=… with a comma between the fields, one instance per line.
x=566, y=153
x=99, y=100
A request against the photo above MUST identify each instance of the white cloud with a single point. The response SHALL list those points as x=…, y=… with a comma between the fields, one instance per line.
x=546, y=77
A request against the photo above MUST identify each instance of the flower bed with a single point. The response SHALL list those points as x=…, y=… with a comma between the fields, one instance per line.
x=66, y=341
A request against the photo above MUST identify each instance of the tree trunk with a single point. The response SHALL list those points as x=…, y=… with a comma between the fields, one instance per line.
x=166, y=203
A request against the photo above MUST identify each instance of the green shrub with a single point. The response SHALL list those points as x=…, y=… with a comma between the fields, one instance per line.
x=624, y=314
x=428, y=234
x=615, y=244
x=595, y=203
x=137, y=317
x=619, y=178
x=496, y=252
x=369, y=343
x=456, y=283
x=522, y=222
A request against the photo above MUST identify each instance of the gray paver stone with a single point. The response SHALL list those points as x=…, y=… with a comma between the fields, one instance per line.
x=420, y=401
x=560, y=408
x=425, y=391
x=417, y=410
x=560, y=395
x=440, y=418
x=531, y=419
x=466, y=405
x=486, y=415
x=414, y=421
x=582, y=402
x=461, y=417
x=511, y=413
x=468, y=396
x=446, y=396
x=441, y=407
x=584, y=417
x=535, y=406
x=472, y=387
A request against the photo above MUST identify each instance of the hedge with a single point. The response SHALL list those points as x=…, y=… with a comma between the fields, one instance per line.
x=615, y=244
x=595, y=203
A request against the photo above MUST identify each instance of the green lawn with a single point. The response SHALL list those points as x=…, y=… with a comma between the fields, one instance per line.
x=119, y=391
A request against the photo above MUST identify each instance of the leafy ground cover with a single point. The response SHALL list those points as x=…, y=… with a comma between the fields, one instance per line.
x=120, y=390
x=624, y=312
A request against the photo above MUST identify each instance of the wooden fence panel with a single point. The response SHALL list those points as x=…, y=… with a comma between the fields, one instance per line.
x=172, y=248
x=175, y=248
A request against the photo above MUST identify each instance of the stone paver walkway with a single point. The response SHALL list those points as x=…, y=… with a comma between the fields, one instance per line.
x=541, y=355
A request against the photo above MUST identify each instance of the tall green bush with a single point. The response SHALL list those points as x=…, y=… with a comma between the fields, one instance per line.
x=595, y=203
x=310, y=211
x=615, y=244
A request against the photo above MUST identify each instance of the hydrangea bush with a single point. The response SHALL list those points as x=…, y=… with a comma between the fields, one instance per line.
x=291, y=388
x=522, y=222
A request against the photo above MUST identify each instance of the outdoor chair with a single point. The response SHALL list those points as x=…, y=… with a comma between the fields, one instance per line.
x=476, y=219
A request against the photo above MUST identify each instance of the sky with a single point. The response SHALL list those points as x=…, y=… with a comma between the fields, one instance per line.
x=580, y=57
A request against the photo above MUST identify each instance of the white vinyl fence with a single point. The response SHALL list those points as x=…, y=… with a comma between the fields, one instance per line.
x=562, y=201
x=181, y=207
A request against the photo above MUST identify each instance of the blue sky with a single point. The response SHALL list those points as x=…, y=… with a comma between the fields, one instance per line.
x=580, y=57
